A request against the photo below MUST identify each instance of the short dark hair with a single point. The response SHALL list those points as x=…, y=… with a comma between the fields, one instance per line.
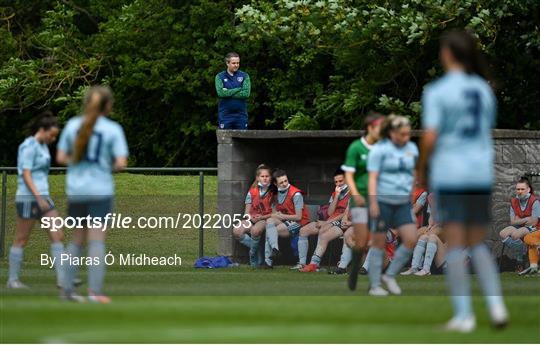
x=339, y=171
x=278, y=173
x=371, y=117
x=44, y=120
x=230, y=55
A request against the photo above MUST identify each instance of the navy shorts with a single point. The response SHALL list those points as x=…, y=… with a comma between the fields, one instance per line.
x=233, y=122
x=392, y=217
x=95, y=208
x=29, y=209
x=469, y=207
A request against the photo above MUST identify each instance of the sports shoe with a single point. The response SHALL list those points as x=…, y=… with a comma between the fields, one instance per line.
x=377, y=291
x=76, y=282
x=16, y=284
x=275, y=254
x=363, y=271
x=310, y=268
x=266, y=266
x=71, y=297
x=461, y=325
x=499, y=316
x=338, y=271
x=95, y=298
x=410, y=271
x=422, y=272
x=297, y=267
x=391, y=285
x=530, y=270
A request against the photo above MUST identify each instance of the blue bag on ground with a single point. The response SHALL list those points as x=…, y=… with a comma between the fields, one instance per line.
x=213, y=262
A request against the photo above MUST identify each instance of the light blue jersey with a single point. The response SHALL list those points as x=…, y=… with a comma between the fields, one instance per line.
x=462, y=109
x=395, y=166
x=35, y=157
x=92, y=176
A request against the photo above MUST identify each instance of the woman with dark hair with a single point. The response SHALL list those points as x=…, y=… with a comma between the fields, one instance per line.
x=258, y=203
x=32, y=197
x=458, y=113
x=92, y=146
x=391, y=164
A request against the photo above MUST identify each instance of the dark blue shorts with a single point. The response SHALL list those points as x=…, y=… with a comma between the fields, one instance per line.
x=468, y=206
x=95, y=208
x=392, y=217
x=29, y=209
x=233, y=122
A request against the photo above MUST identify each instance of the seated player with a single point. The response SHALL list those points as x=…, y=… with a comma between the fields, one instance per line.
x=259, y=206
x=390, y=246
x=524, y=219
x=346, y=252
x=328, y=233
x=532, y=240
x=289, y=216
x=419, y=201
x=339, y=201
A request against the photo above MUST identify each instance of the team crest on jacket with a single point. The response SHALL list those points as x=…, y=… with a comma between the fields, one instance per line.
x=240, y=79
x=225, y=79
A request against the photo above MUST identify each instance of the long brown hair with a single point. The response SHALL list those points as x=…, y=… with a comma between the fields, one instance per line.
x=96, y=100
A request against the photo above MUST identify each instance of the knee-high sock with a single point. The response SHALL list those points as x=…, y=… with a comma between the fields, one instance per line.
x=254, y=251
x=15, y=262
x=246, y=240
x=267, y=253
x=318, y=254
x=533, y=256
x=303, y=245
x=375, y=266
x=516, y=247
x=487, y=274
x=96, y=273
x=57, y=248
x=272, y=235
x=418, y=254
x=458, y=282
x=70, y=271
x=366, y=261
x=400, y=260
x=346, y=256
x=431, y=249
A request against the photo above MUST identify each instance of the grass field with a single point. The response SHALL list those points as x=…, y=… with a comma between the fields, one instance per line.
x=181, y=304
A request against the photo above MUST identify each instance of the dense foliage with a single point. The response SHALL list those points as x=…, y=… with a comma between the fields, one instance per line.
x=313, y=64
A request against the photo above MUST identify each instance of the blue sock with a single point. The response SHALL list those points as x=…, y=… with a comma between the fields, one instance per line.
x=254, y=251
x=272, y=235
x=57, y=249
x=346, y=256
x=375, y=266
x=400, y=259
x=303, y=246
x=418, y=254
x=487, y=274
x=458, y=282
x=15, y=262
x=315, y=259
x=70, y=271
x=430, y=255
x=366, y=261
x=246, y=240
x=96, y=273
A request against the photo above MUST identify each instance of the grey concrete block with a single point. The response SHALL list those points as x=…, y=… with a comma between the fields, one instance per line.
x=514, y=154
x=225, y=171
x=224, y=153
x=505, y=173
x=532, y=152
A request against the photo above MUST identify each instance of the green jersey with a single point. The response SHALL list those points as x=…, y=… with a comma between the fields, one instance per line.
x=356, y=162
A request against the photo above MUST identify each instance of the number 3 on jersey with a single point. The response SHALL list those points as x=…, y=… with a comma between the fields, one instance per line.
x=472, y=97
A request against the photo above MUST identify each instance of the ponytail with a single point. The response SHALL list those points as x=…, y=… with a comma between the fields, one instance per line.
x=96, y=100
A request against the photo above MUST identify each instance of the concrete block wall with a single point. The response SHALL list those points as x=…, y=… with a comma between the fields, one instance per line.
x=311, y=157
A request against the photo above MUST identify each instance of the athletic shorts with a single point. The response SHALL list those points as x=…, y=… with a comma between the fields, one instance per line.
x=359, y=215
x=96, y=208
x=336, y=223
x=29, y=209
x=470, y=207
x=531, y=228
x=293, y=227
x=233, y=121
x=392, y=217
x=437, y=270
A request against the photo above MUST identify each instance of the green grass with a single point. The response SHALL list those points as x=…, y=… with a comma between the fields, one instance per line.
x=181, y=304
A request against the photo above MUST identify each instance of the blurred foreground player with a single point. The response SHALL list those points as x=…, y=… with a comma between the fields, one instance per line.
x=458, y=114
